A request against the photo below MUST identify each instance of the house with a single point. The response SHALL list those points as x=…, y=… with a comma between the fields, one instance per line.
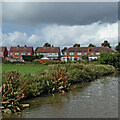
x=3, y=52
x=76, y=53
x=17, y=52
x=49, y=52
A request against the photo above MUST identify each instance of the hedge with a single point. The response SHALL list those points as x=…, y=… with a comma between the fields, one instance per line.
x=29, y=57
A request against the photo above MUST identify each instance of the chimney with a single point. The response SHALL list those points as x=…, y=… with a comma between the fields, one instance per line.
x=25, y=46
x=18, y=46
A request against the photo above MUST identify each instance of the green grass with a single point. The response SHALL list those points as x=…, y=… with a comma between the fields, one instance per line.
x=24, y=68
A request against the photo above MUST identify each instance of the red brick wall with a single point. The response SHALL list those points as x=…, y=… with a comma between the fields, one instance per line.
x=82, y=54
x=19, y=56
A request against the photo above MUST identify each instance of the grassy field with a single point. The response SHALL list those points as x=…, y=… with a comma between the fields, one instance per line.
x=24, y=68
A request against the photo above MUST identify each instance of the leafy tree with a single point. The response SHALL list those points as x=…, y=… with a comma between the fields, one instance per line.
x=118, y=47
x=65, y=48
x=76, y=45
x=106, y=44
x=36, y=51
x=107, y=58
x=91, y=45
x=47, y=45
x=85, y=57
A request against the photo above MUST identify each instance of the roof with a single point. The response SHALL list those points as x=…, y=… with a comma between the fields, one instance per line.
x=90, y=49
x=48, y=49
x=21, y=49
x=2, y=49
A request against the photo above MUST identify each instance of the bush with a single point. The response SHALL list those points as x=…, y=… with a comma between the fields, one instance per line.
x=85, y=57
x=29, y=57
x=109, y=58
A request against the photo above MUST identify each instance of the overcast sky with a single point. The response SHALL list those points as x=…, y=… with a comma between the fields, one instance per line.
x=61, y=24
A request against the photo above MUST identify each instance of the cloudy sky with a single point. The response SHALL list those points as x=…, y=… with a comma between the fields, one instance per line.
x=61, y=23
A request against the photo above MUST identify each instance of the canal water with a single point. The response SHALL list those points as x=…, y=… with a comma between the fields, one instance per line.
x=97, y=99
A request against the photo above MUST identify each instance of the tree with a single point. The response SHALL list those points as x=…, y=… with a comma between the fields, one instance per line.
x=106, y=44
x=36, y=51
x=47, y=45
x=65, y=48
x=76, y=45
x=91, y=45
x=85, y=57
x=118, y=47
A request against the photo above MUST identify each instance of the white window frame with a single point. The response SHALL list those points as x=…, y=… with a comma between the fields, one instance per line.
x=43, y=53
x=16, y=53
x=71, y=53
x=50, y=53
x=97, y=53
x=22, y=53
x=28, y=53
x=11, y=53
x=65, y=53
x=56, y=53
x=79, y=53
x=85, y=53
x=91, y=53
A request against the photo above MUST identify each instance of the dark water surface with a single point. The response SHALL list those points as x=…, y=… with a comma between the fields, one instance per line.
x=98, y=99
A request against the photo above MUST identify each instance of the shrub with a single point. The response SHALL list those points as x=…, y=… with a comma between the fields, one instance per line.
x=85, y=57
x=29, y=57
x=13, y=90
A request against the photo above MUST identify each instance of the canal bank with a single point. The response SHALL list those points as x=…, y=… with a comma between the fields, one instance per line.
x=96, y=99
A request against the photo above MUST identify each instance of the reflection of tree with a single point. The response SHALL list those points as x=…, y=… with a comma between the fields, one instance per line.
x=77, y=88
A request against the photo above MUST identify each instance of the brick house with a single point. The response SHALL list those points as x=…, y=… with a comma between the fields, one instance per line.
x=3, y=52
x=75, y=53
x=49, y=52
x=17, y=52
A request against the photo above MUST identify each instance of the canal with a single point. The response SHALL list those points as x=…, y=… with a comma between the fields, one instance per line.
x=97, y=99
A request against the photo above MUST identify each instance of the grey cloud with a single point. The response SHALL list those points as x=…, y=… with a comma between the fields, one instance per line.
x=68, y=13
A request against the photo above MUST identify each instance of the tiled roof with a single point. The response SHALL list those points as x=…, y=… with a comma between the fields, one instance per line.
x=89, y=49
x=2, y=49
x=21, y=49
x=48, y=49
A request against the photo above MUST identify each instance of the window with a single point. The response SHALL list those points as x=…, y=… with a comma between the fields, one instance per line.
x=16, y=53
x=97, y=53
x=65, y=53
x=22, y=53
x=79, y=53
x=77, y=58
x=50, y=53
x=43, y=53
x=91, y=53
x=11, y=53
x=28, y=53
x=38, y=53
x=1, y=53
x=56, y=53
x=71, y=53
x=85, y=53
x=72, y=58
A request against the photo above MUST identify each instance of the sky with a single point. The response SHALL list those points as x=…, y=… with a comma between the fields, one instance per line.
x=59, y=23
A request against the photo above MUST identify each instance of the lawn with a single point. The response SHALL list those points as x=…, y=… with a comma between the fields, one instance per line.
x=24, y=68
